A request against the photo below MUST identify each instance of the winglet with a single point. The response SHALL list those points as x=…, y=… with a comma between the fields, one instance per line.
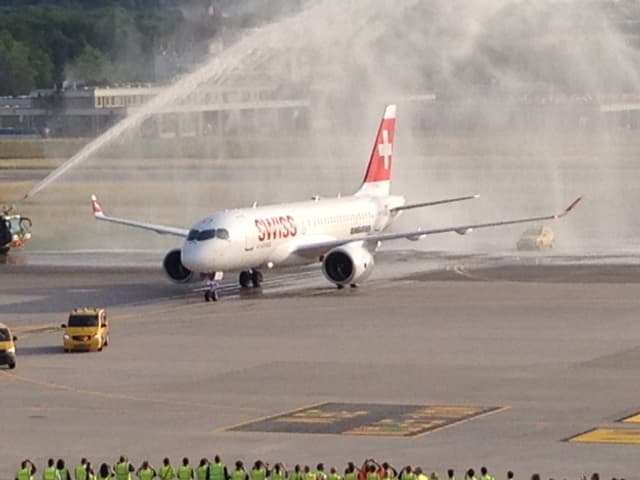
x=569, y=208
x=95, y=206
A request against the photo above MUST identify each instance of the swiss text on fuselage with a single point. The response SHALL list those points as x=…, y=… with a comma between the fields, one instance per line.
x=276, y=227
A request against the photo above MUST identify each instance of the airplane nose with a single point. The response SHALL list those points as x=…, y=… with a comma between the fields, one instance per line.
x=195, y=258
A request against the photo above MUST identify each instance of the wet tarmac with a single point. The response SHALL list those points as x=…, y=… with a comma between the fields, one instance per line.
x=548, y=346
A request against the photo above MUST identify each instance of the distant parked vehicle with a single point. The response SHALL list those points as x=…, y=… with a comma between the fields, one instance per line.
x=15, y=230
x=7, y=347
x=537, y=238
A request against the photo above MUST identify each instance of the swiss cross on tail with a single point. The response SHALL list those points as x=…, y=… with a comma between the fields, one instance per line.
x=378, y=175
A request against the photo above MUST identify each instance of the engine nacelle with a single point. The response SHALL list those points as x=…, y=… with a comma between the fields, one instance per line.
x=348, y=264
x=174, y=268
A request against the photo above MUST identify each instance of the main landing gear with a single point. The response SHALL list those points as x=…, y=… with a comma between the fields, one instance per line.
x=250, y=277
x=212, y=294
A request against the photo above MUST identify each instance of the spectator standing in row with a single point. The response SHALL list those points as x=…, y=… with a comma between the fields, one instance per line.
x=218, y=470
x=27, y=470
x=146, y=471
x=185, y=471
x=50, y=473
x=239, y=473
x=123, y=469
x=63, y=471
x=202, y=472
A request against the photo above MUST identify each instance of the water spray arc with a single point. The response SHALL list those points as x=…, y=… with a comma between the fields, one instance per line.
x=313, y=26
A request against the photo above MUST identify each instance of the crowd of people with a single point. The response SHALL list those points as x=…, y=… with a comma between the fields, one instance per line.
x=123, y=469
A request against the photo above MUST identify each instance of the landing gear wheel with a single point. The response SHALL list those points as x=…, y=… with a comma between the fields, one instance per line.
x=12, y=365
x=340, y=287
x=215, y=296
x=245, y=279
x=354, y=285
x=256, y=278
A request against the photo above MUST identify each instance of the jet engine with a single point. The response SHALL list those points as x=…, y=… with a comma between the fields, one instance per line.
x=174, y=268
x=348, y=264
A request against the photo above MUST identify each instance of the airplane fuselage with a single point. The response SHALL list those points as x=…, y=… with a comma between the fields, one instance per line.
x=267, y=235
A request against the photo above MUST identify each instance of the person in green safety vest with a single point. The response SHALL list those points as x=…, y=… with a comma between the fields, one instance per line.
x=91, y=475
x=484, y=474
x=451, y=474
x=420, y=475
x=146, y=471
x=80, y=471
x=334, y=475
x=296, y=473
x=218, y=470
x=239, y=473
x=166, y=471
x=123, y=469
x=373, y=474
x=105, y=472
x=50, y=473
x=279, y=472
x=509, y=475
x=62, y=470
x=407, y=473
x=202, y=471
x=351, y=472
x=259, y=471
x=185, y=472
x=320, y=475
x=470, y=475
x=308, y=474
x=27, y=470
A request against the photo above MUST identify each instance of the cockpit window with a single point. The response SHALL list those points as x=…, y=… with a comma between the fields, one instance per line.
x=193, y=234
x=202, y=235
x=206, y=235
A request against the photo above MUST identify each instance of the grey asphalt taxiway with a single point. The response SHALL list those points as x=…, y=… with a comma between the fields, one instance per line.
x=551, y=350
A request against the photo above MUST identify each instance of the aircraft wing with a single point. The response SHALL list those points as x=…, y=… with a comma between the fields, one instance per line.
x=161, y=229
x=320, y=248
x=430, y=204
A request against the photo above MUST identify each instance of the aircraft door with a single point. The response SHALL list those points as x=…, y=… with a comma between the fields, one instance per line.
x=250, y=234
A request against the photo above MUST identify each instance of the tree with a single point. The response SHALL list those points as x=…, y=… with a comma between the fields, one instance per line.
x=17, y=76
x=91, y=67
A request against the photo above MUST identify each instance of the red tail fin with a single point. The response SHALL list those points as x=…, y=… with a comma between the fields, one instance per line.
x=378, y=175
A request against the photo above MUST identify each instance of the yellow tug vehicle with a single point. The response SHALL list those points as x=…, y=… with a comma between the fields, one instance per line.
x=7, y=347
x=86, y=331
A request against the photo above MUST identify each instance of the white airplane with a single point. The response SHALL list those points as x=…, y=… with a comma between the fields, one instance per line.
x=341, y=233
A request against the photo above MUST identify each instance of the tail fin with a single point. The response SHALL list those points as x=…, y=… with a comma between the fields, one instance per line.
x=377, y=179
